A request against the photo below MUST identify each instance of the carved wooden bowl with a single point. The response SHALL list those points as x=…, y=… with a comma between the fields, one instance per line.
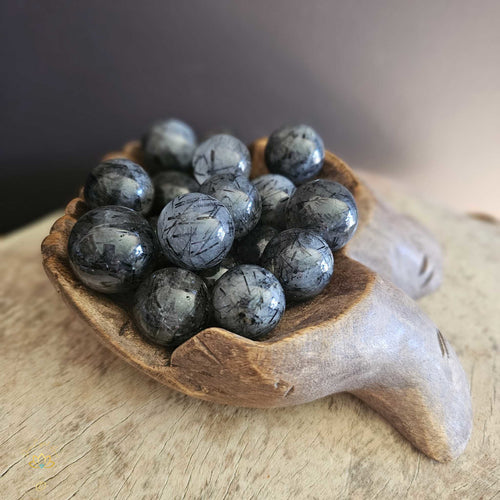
x=362, y=334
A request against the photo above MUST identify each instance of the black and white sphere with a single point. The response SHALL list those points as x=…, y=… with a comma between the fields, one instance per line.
x=221, y=154
x=119, y=182
x=212, y=274
x=169, y=144
x=250, y=248
x=326, y=207
x=297, y=152
x=171, y=305
x=239, y=196
x=195, y=231
x=301, y=260
x=170, y=184
x=274, y=190
x=248, y=300
x=111, y=249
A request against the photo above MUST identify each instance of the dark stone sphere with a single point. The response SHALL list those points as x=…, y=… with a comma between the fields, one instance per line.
x=171, y=305
x=221, y=154
x=111, y=249
x=170, y=184
x=297, y=152
x=119, y=182
x=275, y=190
x=248, y=300
x=325, y=207
x=169, y=144
x=301, y=260
x=195, y=231
x=239, y=196
x=249, y=249
x=212, y=274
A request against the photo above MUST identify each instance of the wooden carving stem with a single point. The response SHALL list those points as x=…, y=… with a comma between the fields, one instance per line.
x=362, y=334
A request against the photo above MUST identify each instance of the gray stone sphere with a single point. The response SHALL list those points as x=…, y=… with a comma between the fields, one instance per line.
x=250, y=248
x=221, y=154
x=170, y=184
x=275, y=191
x=195, y=231
x=297, y=152
x=212, y=274
x=301, y=260
x=248, y=300
x=169, y=144
x=325, y=207
x=111, y=249
x=239, y=196
x=119, y=182
x=170, y=306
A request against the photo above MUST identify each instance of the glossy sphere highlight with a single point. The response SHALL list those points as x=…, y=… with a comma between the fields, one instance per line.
x=326, y=207
x=169, y=144
x=248, y=300
x=168, y=185
x=249, y=249
x=111, y=249
x=170, y=306
x=221, y=154
x=297, y=152
x=195, y=231
x=274, y=190
x=239, y=196
x=119, y=182
x=301, y=260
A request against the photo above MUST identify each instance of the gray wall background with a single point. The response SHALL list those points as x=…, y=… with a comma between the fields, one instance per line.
x=409, y=88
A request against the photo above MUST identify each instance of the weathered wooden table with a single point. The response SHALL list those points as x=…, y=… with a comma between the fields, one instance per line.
x=113, y=433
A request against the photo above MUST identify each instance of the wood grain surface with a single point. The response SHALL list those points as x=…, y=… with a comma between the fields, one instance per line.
x=112, y=432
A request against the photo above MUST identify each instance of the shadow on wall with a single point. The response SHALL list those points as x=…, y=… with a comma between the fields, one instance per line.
x=85, y=78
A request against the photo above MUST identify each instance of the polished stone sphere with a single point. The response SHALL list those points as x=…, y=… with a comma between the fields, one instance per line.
x=301, y=260
x=248, y=300
x=221, y=154
x=239, y=196
x=275, y=190
x=297, y=152
x=169, y=144
x=119, y=182
x=170, y=184
x=212, y=274
x=326, y=207
x=250, y=248
x=170, y=306
x=195, y=231
x=111, y=249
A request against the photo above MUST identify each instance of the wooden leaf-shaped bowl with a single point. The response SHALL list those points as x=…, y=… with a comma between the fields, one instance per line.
x=362, y=334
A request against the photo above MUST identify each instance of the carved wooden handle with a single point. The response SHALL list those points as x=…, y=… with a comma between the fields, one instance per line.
x=385, y=351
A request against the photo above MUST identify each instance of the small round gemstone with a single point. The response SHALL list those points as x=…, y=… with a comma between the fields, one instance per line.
x=297, y=152
x=301, y=260
x=221, y=154
x=325, y=207
x=171, y=305
x=111, y=249
x=170, y=184
x=119, y=182
x=239, y=196
x=212, y=274
x=250, y=248
x=195, y=231
x=248, y=300
x=169, y=144
x=275, y=190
